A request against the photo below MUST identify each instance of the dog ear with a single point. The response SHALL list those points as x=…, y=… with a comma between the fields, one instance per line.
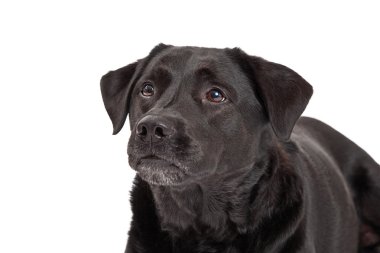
x=283, y=92
x=116, y=88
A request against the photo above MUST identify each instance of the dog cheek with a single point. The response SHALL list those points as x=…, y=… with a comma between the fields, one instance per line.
x=132, y=152
x=211, y=157
x=238, y=143
x=185, y=148
x=132, y=160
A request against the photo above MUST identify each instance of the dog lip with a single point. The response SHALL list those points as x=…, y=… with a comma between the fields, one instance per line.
x=154, y=158
x=151, y=157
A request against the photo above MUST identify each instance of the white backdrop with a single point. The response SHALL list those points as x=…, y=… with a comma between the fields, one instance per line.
x=64, y=179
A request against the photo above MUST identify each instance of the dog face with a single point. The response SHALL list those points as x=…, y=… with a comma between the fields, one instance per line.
x=197, y=113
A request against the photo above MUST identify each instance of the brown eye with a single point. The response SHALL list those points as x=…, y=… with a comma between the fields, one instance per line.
x=147, y=90
x=215, y=96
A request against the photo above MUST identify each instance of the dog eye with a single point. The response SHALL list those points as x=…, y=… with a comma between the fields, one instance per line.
x=215, y=96
x=147, y=90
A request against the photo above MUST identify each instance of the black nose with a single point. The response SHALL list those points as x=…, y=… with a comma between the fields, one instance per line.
x=154, y=128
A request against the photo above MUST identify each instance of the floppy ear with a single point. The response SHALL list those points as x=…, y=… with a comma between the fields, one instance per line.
x=116, y=88
x=283, y=92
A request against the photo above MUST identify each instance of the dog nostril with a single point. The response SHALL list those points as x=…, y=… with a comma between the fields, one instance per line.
x=159, y=132
x=153, y=129
x=142, y=131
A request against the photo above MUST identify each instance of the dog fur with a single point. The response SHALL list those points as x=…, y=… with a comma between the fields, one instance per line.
x=246, y=174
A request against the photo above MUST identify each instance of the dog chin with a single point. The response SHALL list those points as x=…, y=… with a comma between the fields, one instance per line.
x=160, y=172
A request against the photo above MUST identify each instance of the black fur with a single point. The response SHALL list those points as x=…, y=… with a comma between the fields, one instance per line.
x=243, y=175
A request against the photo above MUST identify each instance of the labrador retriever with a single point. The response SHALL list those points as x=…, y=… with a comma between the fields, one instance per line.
x=226, y=164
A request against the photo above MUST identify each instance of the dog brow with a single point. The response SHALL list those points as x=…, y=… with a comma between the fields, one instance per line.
x=161, y=70
x=204, y=72
x=206, y=69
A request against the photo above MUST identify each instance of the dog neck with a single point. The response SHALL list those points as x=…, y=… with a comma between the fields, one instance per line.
x=209, y=206
x=226, y=206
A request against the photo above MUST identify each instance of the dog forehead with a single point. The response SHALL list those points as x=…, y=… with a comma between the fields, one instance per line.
x=184, y=65
x=191, y=59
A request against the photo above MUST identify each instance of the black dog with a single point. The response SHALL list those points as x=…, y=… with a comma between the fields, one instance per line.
x=224, y=164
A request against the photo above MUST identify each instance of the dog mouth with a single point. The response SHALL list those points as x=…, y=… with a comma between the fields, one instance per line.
x=151, y=157
x=160, y=171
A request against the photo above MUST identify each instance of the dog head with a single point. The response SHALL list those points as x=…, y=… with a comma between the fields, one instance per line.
x=200, y=112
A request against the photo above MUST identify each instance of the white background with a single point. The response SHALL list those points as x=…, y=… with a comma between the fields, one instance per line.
x=64, y=179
